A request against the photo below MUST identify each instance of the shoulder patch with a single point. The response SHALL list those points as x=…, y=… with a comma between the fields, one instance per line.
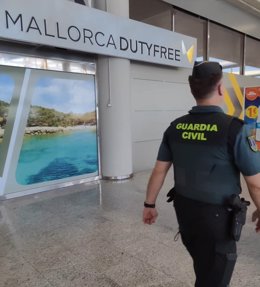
x=252, y=143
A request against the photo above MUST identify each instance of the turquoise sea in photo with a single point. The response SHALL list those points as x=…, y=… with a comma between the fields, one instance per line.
x=51, y=157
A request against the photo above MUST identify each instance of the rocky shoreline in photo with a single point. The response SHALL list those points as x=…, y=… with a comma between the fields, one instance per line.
x=52, y=130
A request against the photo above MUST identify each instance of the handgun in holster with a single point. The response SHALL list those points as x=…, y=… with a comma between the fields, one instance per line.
x=170, y=195
x=239, y=210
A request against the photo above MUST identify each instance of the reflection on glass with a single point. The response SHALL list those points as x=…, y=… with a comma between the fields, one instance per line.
x=228, y=67
x=199, y=59
x=6, y=92
x=46, y=64
x=252, y=71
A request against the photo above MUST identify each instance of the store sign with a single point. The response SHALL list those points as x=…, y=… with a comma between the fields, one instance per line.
x=252, y=112
x=68, y=25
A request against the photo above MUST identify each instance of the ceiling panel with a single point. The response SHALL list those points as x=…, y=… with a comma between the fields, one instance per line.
x=251, y=6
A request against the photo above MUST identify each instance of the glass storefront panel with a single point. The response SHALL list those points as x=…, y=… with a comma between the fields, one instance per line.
x=48, y=122
x=192, y=26
x=10, y=82
x=252, y=58
x=225, y=46
x=152, y=12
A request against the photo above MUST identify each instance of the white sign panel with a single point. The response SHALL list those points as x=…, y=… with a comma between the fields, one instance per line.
x=72, y=26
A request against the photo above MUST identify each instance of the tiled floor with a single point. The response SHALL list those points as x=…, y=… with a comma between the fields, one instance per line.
x=93, y=235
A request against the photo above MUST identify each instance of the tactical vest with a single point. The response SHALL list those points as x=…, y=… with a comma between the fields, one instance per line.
x=201, y=145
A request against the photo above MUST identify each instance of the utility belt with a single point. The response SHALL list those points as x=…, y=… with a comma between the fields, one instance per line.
x=235, y=205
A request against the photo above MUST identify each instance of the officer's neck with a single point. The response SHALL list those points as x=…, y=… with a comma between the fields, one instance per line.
x=214, y=100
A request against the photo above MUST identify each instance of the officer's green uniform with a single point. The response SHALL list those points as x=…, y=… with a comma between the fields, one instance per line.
x=208, y=149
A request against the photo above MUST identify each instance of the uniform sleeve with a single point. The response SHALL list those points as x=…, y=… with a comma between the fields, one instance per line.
x=164, y=153
x=246, y=158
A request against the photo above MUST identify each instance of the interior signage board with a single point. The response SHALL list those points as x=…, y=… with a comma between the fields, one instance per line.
x=252, y=112
x=68, y=25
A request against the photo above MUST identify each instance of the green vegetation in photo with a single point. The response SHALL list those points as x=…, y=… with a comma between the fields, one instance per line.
x=3, y=113
x=46, y=117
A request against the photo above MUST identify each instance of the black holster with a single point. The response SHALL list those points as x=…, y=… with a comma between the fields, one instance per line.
x=239, y=210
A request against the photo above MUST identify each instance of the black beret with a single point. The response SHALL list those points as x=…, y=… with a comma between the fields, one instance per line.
x=202, y=70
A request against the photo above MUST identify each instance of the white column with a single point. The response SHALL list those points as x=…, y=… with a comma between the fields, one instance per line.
x=113, y=79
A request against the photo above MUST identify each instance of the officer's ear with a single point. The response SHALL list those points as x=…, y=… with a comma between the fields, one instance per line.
x=220, y=89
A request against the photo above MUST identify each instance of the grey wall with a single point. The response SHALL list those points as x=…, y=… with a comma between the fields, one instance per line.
x=223, y=13
x=158, y=96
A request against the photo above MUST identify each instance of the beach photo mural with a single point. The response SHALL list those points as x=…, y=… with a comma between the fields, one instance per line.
x=60, y=139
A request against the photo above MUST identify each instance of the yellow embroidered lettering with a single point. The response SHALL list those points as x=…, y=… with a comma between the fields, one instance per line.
x=203, y=127
x=202, y=137
x=214, y=128
x=185, y=135
x=179, y=126
x=197, y=127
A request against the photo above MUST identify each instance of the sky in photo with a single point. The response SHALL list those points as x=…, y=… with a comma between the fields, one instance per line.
x=65, y=95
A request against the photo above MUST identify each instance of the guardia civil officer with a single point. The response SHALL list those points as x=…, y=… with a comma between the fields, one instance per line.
x=208, y=150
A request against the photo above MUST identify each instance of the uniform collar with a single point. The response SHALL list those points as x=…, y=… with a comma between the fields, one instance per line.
x=205, y=109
